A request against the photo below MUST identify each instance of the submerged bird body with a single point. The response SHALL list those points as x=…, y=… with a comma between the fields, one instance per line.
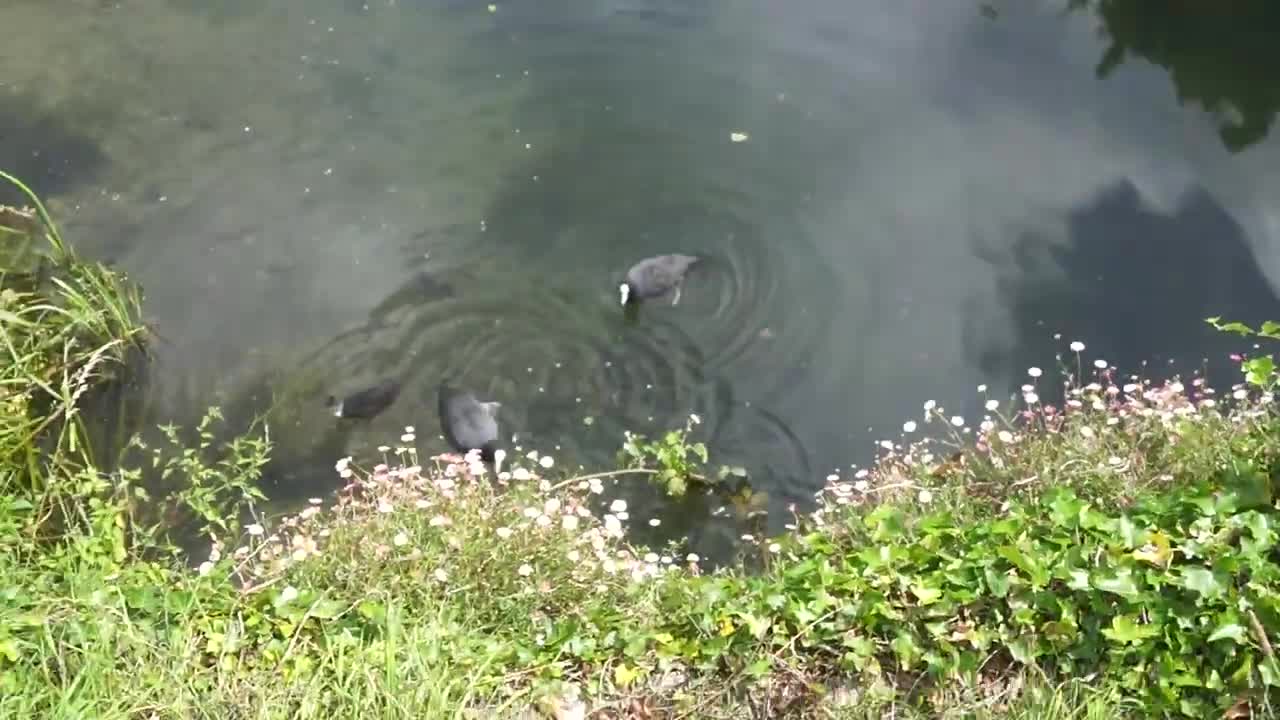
x=656, y=276
x=468, y=424
x=367, y=403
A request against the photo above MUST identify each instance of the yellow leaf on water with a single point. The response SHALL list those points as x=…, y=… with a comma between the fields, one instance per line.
x=738, y=137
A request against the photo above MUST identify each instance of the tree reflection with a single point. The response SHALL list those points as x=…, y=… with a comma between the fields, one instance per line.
x=1220, y=55
x=1135, y=284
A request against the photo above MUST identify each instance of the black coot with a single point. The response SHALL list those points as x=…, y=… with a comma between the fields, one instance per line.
x=468, y=424
x=367, y=403
x=656, y=276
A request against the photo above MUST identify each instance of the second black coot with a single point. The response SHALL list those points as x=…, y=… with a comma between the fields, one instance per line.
x=468, y=423
x=367, y=403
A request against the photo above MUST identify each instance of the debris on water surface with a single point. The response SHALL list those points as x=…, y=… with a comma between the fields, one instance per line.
x=493, y=8
x=738, y=137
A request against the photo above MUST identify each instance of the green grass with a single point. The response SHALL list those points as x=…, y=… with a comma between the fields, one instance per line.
x=66, y=327
x=1116, y=557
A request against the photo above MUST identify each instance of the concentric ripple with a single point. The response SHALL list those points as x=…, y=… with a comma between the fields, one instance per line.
x=562, y=370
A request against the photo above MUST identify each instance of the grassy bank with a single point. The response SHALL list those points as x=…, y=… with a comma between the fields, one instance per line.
x=1115, y=556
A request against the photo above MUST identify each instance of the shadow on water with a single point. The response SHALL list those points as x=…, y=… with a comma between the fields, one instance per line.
x=1135, y=285
x=43, y=149
x=1220, y=55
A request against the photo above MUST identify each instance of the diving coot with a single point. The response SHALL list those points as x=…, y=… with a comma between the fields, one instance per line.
x=656, y=276
x=367, y=403
x=468, y=424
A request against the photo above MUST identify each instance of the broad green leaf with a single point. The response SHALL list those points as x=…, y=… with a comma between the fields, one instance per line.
x=1156, y=551
x=1064, y=510
x=1022, y=651
x=1258, y=371
x=885, y=522
x=1202, y=581
x=624, y=675
x=904, y=646
x=1235, y=631
x=1269, y=672
x=1079, y=580
x=328, y=609
x=1125, y=630
x=759, y=668
x=925, y=594
x=1119, y=582
x=1130, y=534
x=757, y=626
x=1237, y=328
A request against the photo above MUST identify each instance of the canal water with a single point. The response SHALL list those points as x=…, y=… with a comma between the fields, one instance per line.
x=901, y=200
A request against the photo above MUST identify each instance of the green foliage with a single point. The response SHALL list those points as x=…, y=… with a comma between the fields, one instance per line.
x=1159, y=599
x=1129, y=538
x=1259, y=371
x=67, y=327
x=215, y=488
x=676, y=461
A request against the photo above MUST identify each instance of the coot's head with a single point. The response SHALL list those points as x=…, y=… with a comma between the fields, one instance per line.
x=335, y=405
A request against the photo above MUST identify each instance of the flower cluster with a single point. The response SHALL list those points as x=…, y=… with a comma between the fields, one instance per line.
x=461, y=518
x=1018, y=441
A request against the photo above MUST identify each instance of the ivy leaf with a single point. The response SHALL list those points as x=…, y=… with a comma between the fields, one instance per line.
x=9, y=649
x=1157, y=551
x=997, y=581
x=904, y=646
x=1235, y=631
x=757, y=626
x=1257, y=371
x=1120, y=583
x=1270, y=676
x=1021, y=651
x=1201, y=581
x=759, y=668
x=1124, y=630
x=624, y=675
x=328, y=609
x=1079, y=580
x=925, y=594
x=886, y=522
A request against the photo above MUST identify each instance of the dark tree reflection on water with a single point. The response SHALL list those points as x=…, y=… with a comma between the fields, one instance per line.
x=1220, y=55
x=1135, y=284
